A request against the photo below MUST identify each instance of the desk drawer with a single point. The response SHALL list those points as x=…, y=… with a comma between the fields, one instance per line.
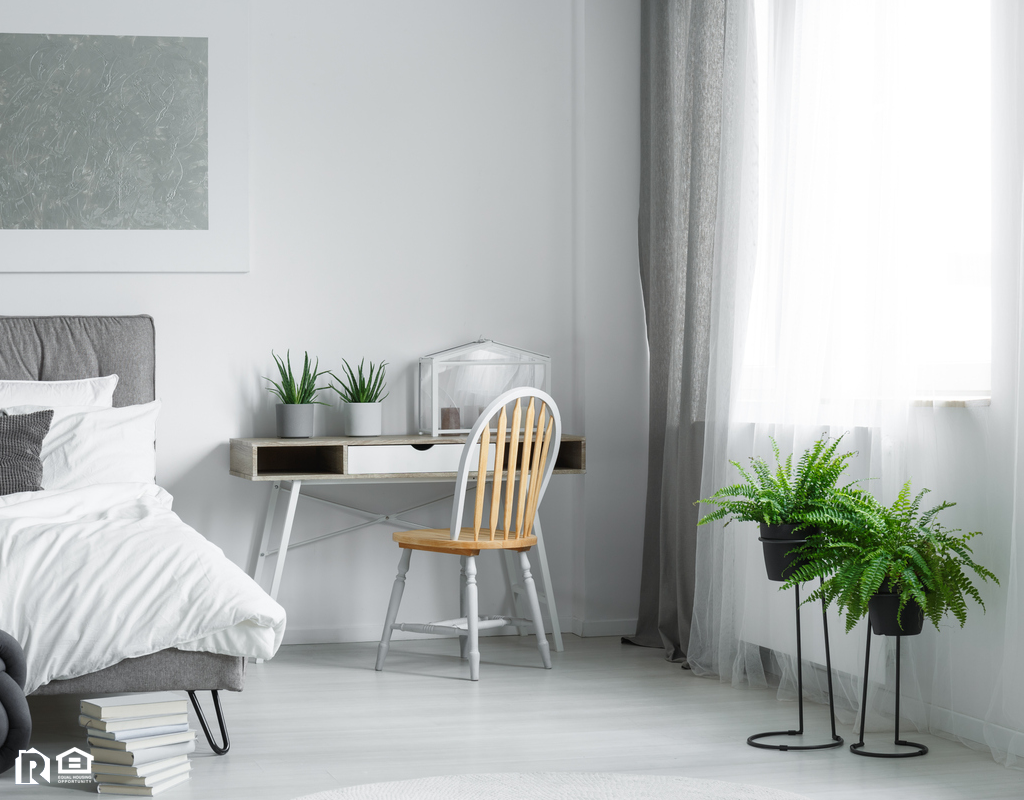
x=400, y=459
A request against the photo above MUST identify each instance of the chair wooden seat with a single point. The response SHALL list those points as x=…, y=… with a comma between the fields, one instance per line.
x=524, y=454
x=439, y=540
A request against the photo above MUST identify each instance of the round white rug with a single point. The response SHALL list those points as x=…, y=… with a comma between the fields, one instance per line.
x=554, y=786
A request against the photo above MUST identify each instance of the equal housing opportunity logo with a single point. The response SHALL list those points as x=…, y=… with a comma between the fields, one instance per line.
x=73, y=766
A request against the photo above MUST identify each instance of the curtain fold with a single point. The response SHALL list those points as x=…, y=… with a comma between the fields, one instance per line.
x=682, y=63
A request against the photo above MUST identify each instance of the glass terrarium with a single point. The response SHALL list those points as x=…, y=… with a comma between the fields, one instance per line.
x=457, y=385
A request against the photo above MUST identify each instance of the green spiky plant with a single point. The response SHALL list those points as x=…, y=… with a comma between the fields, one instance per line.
x=901, y=546
x=296, y=392
x=357, y=387
x=807, y=496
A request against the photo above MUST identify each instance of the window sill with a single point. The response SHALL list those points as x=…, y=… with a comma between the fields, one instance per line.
x=951, y=402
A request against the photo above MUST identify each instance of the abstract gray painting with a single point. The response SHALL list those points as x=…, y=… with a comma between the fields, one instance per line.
x=103, y=132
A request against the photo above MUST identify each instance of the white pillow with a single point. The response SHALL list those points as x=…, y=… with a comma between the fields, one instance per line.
x=59, y=394
x=86, y=446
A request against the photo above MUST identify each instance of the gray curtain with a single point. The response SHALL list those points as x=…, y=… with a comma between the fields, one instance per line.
x=682, y=54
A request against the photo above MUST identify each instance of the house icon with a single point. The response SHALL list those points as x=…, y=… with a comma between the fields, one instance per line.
x=74, y=762
x=25, y=767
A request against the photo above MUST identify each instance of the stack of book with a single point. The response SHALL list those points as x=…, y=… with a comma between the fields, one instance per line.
x=139, y=743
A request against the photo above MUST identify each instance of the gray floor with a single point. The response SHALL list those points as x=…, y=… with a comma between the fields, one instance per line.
x=318, y=717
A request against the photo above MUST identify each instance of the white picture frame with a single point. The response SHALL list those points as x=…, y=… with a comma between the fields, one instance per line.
x=224, y=245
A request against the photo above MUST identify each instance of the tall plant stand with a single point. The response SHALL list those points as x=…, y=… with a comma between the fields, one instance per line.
x=837, y=740
x=858, y=748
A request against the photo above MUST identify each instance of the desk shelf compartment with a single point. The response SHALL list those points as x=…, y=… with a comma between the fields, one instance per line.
x=326, y=460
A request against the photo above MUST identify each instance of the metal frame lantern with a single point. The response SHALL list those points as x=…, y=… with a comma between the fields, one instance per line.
x=457, y=384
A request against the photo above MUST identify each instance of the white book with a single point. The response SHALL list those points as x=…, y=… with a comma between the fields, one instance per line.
x=137, y=733
x=133, y=758
x=141, y=791
x=142, y=770
x=144, y=743
x=131, y=722
x=149, y=780
x=135, y=705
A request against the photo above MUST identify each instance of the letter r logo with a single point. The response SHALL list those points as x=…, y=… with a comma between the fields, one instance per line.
x=25, y=767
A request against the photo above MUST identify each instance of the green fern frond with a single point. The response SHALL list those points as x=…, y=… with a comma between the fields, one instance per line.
x=854, y=543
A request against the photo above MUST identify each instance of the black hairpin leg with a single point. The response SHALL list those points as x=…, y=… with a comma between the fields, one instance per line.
x=836, y=739
x=220, y=721
x=858, y=748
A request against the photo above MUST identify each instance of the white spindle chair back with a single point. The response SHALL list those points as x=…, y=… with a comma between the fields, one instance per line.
x=525, y=449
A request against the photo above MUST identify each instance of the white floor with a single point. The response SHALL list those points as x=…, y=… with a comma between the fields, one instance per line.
x=318, y=717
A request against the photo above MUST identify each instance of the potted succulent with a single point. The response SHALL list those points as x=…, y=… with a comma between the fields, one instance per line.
x=361, y=393
x=790, y=504
x=298, y=397
x=898, y=566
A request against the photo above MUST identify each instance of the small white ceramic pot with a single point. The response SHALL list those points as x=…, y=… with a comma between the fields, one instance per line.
x=362, y=419
x=295, y=421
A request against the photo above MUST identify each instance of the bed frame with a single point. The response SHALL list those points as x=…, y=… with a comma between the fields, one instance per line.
x=67, y=348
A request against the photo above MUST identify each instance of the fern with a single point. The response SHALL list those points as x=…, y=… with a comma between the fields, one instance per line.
x=863, y=545
x=854, y=545
x=806, y=496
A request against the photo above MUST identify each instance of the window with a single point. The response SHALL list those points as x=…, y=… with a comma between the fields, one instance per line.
x=872, y=280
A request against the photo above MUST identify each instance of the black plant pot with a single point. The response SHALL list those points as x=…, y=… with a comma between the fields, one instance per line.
x=883, y=609
x=780, y=544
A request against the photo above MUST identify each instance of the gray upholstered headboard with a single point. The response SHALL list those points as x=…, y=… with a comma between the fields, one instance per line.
x=66, y=348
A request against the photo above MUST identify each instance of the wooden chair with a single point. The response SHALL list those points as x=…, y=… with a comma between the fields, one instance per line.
x=524, y=448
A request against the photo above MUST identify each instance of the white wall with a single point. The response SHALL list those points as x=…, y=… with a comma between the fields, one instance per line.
x=421, y=174
x=615, y=387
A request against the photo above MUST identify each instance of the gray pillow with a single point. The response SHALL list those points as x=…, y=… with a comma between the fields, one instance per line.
x=21, y=439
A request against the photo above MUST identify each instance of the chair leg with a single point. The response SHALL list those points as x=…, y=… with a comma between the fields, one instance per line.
x=508, y=559
x=538, y=620
x=396, y=601
x=472, y=619
x=463, y=638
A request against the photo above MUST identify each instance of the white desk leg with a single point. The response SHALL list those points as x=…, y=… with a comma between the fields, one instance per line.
x=268, y=524
x=549, y=590
x=286, y=535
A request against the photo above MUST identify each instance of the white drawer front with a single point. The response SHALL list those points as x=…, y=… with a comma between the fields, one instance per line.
x=404, y=458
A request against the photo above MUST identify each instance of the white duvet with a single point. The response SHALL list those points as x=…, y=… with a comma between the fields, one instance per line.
x=91, y=576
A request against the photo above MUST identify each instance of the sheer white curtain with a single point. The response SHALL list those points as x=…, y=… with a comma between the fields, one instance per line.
x=1003, y=731
x=860, y=302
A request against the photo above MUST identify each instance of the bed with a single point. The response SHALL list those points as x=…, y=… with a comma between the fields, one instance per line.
x=66, y=348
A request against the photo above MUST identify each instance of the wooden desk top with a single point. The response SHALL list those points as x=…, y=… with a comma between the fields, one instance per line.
x=325, y=458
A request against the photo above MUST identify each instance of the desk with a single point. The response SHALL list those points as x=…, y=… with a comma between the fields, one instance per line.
x=329, y=460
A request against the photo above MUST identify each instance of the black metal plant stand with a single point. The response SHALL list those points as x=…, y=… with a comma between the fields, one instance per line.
x=836, y=739
x=858, y=748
